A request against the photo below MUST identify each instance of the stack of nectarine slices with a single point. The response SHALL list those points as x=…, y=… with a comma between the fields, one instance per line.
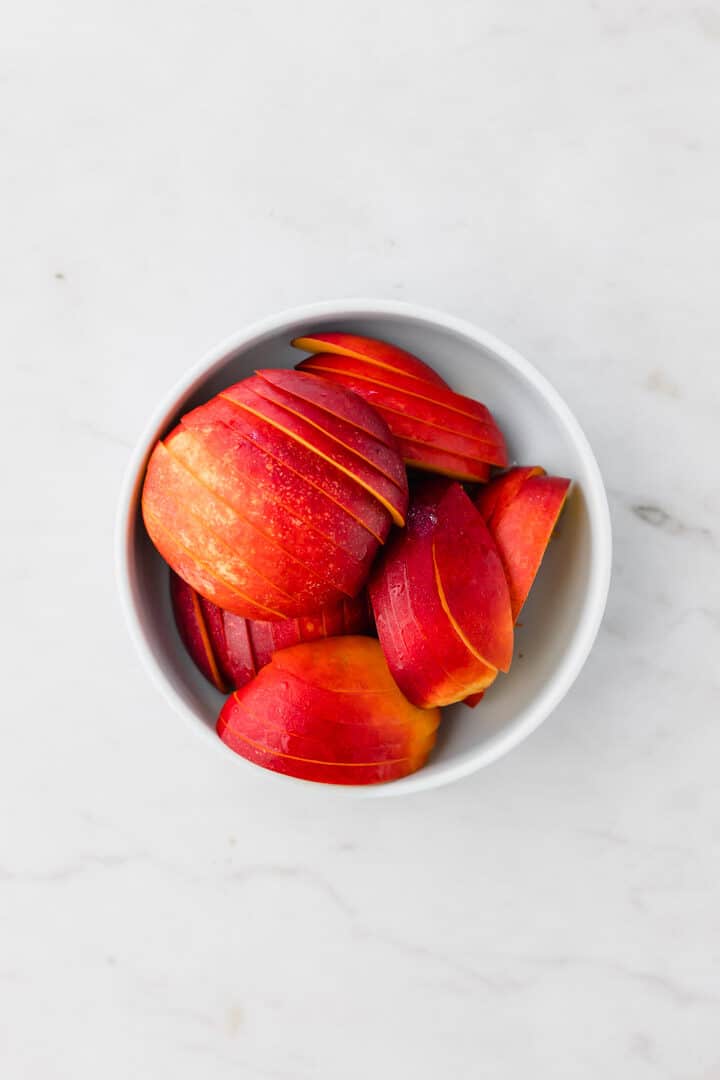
x=270, y=509
x=277, y=503
x=437, y=430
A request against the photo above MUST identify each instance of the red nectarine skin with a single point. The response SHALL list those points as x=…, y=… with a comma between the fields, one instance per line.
x=522, y=531
x=418, y=665
x=433, y=414
x=243, y=554
x=428, y=652
x=179, y=535
x=394, y=383
x=194, y=632
x=333, y=399
x=238, y=657
x=230, y=650
x=264, y=489
x=476, y=597
x=497, y=496
x=325, y=446
x=379, y=353
x=410, y=428
x=337, y=487
x=397, y=404
x=381, y=454
x=430, y=459
x=427, y=430
x=295, y=718
x=474, y=699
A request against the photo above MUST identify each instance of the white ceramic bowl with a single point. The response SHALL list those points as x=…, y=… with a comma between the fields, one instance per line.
x=564, y=610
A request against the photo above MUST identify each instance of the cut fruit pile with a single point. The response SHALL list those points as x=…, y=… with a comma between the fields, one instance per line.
x=283, y=509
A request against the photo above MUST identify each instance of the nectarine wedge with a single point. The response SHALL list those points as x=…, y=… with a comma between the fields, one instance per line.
x=392, y=494
x=229, y=650
x=522, y=508
x=378, y=353
x=329, y=711
x=428, y=421
x=443, y=622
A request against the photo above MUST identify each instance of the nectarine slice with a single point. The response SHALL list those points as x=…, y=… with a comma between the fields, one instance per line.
x=430, y=459
x=382, y=454
x=428, y=654
x=378, y=353
x=229, y=650
x=311, y=471
x=295, y=717
x=192, y=624
x=236, y=540
x=414, y=388
x=333, y=399
x=475, y=597
x=496, y=497
x=330, y=451
x=522, y=531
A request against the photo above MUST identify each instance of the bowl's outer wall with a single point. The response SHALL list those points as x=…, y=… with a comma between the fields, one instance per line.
x=562, y=615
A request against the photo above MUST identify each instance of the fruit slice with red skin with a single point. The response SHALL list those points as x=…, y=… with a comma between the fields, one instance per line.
x=381, y=454
x=326, y=447
x=476, y=599
x=236, y=494
x=265, y=490
x=496, y=497
x=378, y=353
x=192, y=624
x=217, y=574
x=326, y=395
x=336, y=486
x=289, y=585
x=430, y=459
x=229, y=650
x=521, y=508
x=430, y=656
x=308, y=726
x=427, y=431
x=416, y=431
x=522, y=531
x=421, y=391
x=318, y=772
x=391, y=403
x=240, y=662
x=418, y=665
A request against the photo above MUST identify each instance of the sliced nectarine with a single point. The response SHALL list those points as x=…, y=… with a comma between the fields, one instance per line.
x=329, y=711
x=378, y=353
x=326, y=446
x=230, y=650
x=445, y=630
x=523, y=510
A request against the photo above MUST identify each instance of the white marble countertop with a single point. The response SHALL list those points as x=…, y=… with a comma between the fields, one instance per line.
x=172, y=171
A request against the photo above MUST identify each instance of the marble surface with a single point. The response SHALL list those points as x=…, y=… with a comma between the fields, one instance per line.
x=172, y=171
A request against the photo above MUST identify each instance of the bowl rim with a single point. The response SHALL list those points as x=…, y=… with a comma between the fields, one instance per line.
x=535, y=712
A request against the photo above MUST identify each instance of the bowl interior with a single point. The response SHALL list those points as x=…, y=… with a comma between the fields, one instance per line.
x=538, y=431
